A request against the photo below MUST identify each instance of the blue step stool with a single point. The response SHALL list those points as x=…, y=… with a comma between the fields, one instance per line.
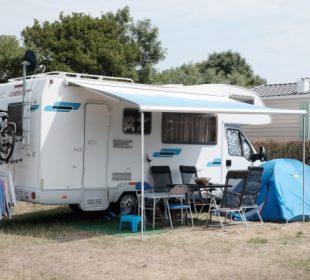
x=133, y=219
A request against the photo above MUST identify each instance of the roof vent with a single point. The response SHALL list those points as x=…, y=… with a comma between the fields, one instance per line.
x=303, y=85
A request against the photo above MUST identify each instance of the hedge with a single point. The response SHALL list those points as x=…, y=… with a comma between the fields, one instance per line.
x=290, y=149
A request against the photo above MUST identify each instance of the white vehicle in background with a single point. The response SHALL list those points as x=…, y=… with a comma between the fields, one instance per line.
x=80, y=135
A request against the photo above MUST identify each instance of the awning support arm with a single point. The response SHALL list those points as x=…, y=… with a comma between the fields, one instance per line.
x=303, y=166
x=142, y=174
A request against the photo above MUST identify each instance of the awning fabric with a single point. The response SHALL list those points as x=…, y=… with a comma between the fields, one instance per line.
x=161, y=100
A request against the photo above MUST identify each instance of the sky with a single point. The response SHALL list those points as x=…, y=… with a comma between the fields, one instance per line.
x=272, y=35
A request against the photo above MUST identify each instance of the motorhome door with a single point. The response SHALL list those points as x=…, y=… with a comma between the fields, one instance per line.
x=95, y=192
x=237, y=150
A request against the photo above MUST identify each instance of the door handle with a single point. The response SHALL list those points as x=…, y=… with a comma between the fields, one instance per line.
x=228, y=162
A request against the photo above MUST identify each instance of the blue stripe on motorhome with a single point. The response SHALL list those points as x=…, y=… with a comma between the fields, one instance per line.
x=73, y=105
x=163, y=155
x=34, y=107
x=175, y=151
x=50, y=108
x=167, y=153
x=62, y=107
x=215, y=163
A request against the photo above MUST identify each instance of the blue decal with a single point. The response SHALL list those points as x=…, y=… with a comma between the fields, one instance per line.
x=62, y=107
x=167, y=153
x=34, y=107
x=215, y=163
x=73, y=105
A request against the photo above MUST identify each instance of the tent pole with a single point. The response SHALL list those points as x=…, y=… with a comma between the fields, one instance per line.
x=142, y=174
x=303, y=167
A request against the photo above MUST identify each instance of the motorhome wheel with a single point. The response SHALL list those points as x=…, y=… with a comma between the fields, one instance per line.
x=127, y=203
x=75, y=208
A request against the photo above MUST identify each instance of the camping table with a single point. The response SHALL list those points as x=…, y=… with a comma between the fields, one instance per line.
x=157, y=196
x=208, y=188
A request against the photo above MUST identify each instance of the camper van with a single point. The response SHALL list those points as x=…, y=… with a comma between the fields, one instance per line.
x=78, y=137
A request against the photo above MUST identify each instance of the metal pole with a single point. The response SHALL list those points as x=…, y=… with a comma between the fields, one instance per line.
x=24, y=64
x=142, y=174
x=303, y=167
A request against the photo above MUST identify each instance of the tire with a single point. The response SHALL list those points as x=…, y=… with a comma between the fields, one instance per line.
x=7, y=143
x=75, y=208
x=127, y=203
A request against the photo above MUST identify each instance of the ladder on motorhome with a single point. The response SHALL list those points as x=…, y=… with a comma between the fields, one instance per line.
x=26, y=123
x=27, y=113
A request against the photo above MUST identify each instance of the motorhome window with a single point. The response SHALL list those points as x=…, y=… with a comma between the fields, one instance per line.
x=246, y=148
x=234, y=143
x=132, y=121
x=188, y=128
x=238, y=145
x=242, y=98
x=15, y=115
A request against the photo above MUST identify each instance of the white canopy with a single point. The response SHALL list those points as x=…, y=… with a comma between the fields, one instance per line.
x=161, y=99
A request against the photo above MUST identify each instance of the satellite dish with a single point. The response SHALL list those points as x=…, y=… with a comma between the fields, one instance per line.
x=31, y=58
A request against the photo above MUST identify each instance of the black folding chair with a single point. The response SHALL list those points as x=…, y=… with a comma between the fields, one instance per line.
x=252, y=190
x=235, y=184
x=162, y=178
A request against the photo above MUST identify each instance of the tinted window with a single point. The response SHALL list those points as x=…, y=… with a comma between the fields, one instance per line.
x=132, y=122
x=188, y=128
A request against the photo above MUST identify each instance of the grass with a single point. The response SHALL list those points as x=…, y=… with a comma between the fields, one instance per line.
x=88, y=246
x=258, y=240
x=57, y=222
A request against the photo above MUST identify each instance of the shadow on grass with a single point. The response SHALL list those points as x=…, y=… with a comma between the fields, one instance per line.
x=63, y=225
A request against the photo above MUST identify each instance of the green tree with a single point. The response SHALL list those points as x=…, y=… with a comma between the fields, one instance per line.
x=224, y=67
x=187, y=74
x=11, y=54
x=112, y=44
x=227, y=63
x=232, y=67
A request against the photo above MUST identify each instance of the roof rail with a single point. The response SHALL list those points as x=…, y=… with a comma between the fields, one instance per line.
x=78, y=76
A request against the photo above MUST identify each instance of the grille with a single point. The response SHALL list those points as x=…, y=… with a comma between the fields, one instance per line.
x=94, y=201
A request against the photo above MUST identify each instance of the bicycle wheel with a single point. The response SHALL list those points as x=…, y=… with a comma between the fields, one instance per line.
x=7, y=143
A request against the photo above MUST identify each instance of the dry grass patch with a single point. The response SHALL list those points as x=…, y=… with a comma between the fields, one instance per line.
x=39, y=243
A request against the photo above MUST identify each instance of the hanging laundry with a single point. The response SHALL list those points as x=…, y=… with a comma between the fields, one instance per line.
x=7, y=194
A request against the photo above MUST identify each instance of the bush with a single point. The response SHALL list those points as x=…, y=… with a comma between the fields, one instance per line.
x=290, y=149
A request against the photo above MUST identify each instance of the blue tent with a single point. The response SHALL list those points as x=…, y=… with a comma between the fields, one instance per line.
x=281, y=196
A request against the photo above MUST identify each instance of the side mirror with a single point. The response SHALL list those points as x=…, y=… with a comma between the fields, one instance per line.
x=262, y=156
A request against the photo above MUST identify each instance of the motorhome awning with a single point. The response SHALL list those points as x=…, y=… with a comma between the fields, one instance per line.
x=161, y=100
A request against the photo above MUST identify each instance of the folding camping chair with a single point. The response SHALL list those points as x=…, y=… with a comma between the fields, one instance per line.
x=188, y=175
x=231, y=200
x=251, y=191
x=162, y=178
x=183, y=202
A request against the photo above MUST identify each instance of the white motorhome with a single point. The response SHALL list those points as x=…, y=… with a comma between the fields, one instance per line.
x=82, y=135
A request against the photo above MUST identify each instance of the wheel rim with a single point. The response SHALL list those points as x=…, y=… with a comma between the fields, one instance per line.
x=127, y=204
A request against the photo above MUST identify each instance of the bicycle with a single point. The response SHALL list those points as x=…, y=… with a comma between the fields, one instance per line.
x=7, y=137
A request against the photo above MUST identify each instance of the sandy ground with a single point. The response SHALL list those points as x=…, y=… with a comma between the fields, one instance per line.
x=272, y=251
